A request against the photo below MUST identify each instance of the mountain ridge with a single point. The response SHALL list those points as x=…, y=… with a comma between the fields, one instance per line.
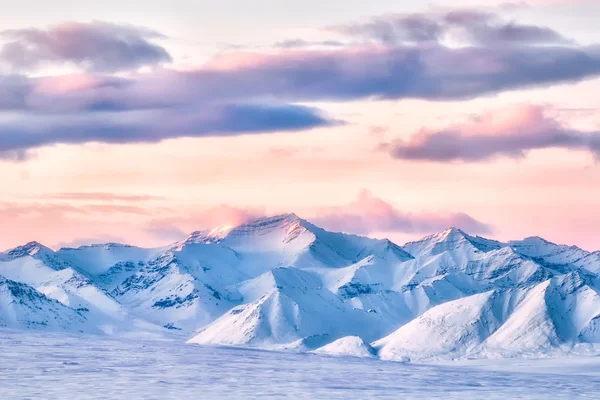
x=283, y=282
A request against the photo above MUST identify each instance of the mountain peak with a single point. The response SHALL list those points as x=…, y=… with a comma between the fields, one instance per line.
x=290, y=222
x=454, y=231
x=535, y=240
x=209, y=235
x=449, y=240
x=29, y=249
x=452, y=234
x=277, y=220
x=445, y=235
x=384, y=248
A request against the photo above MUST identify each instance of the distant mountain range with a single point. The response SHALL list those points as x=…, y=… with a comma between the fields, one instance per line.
x=284, y=283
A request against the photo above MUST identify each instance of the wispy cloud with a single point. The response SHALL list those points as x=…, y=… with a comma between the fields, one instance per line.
x=369, y=214
x=60, y=224
x=298, y=43
x=66, y=209
x=510, y=132
x=177, y=227
x=101, y=196
x=56, y=223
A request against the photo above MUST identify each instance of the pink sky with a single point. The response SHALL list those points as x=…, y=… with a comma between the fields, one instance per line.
x=503, y=162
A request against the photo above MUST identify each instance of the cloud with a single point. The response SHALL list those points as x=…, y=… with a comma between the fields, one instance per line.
x=468, y=25
x=56, y=223
x=247, y=93
x=283, y=152
x=390, y=72
x=178, y=227
x=165, y=233
x=67, y=210
x=17, y=155
x=510, y=132
x=101, y=196
x=287, y=152
x=60, y=223
x=486, y=28
x=299, y=43
x=155, y=126
x=114, y=209
x=95, y=46
x=528, y=3
x=378, y=132
x=370, y=214
x=395, y=29
x=394, y=72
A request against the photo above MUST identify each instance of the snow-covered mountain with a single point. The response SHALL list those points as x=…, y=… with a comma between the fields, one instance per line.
x=23, y=307
x=282, y=282
x=558, y=256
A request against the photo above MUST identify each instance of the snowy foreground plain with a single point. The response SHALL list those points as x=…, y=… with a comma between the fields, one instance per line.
x=59, y=366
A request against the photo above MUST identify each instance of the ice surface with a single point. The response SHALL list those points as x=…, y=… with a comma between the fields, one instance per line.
x=53, y=366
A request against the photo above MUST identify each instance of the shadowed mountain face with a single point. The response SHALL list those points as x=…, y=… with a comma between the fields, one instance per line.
x=282, y=282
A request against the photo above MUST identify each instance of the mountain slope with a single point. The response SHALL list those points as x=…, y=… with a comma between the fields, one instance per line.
x=97, y=260
x=47, y=273
x=287, y=304
x=557, y=256
x=451, y=240
x=283, y=283
x=22, y=307
x=178, y=294
x=35, y=251
x=563, y=310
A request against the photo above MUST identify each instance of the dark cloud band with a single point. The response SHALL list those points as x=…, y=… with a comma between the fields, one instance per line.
x=154, y=126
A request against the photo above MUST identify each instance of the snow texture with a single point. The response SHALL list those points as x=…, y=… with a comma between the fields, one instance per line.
x=52, y=366
x=282, y=283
